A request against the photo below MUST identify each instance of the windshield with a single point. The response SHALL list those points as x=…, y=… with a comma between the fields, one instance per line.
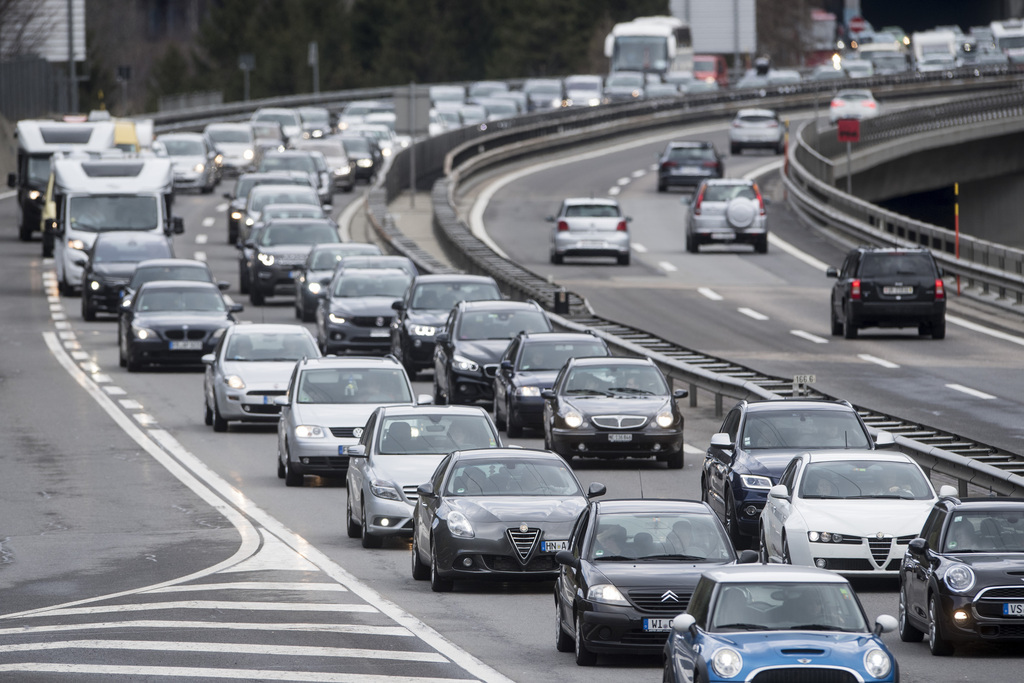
x=305, y=195
x=184, y=148
x=357, y=145
x=269, y=346
x=435, y=434
x=131, y=251
x=266, y=129
x=150, y=273
x=318, y=117
x=661, y=537
x=229, y=135
x=283, y=118
x=167, y=300
x=862, y=479
x=442, y=296
x=501, y=324
x=787, y=606
x=640, y=53
x=608, y=380
x=986, y=531
x=512, y=476
x=803, y=429
x=354, y=385
x=302, y=211
x=625, y=80
x=327, y=259
x=288, y=163
x=38, y=170
x=97, y=213
x=297, y=233
x=544, y=356
x=369, y=282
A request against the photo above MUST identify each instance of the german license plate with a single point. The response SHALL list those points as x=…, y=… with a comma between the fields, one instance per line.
x=1013, y=609
x=620, y=438
x=657, y=624
x=553, y=546
x=187, y=345
x=380, y=333
x=721, y=236
x=897, y=290
x=688, y=170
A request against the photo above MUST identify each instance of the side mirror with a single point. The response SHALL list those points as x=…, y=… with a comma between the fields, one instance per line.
x=885, y=623
x=281, y=401
x=947, y=491
x=506, y=365
x=918, y=547
x=328, y=208
x=779, y=491
x=596, y=489
x=227, y=195
x=722, y=440
x=236, y=308
x=323, y=293
x=177, y=225
x=223, y=285
x=397, y=306
x=884, y=439
x=567, y=558
x=832, y=272
x=424, y=400
x=683, y=622
x=547, y=393
x=426, y=490
x=356, y=451
x=748, y=557
x=549, y=219
x=441, y=338
x=208, y=359
x=680, y=393
x=629, y=219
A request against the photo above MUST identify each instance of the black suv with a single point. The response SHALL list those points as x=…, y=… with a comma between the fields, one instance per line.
x=755, y=444
x=888, y=287
x=686, y=164
x=474, y=336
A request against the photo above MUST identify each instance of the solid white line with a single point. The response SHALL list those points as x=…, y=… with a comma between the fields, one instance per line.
x=877, y=361
x=345, y=219
x=253, y=586
x=208, y=222
x=233, y=648
x=199, y=256
x=970, y=392
x=654, y=167
x=139, y=672
x=692, y=450
x=808, y=336
x=214, y=605
x=8, y=194
x=751, y=313
x=638, y=248
x=984, y=330
x=709, y=293
x=667, y=267
x=356, y=629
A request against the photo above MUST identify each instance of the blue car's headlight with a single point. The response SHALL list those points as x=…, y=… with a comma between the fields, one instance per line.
x=877, y=663
x=727, y=662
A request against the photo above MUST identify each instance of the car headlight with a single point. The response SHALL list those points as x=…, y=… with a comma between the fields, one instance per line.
x=343, y=170
x=310, y=432
x=459, y=525
x=959, y=578
x=250, y=221
x=94, y=285
x=573, y=419
x=594, y=101
x=336, y=319
x=424, y=330
x=143, y=333
x=727, y=662
x=364, y=163
x=248, y=155
x=464, y=364
x=665, y=419
x=556, y=102
x=314, y=287
x=76, y=244
x=236, y=215
x=265, y=259
x=607, y=593
x=877, y=663
x=234, y=381
x=219, y=160
x=753, y=481
x=34, y=194
x=384, y=489
x=823, y=536
x=528, y=391
x=199, y=168
x=343, y=125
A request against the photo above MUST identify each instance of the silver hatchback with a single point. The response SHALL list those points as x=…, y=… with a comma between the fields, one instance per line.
x=756, y=128
x=590, y=227
x=727, y=211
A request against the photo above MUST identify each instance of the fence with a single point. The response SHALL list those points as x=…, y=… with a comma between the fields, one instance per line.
x=31, y=87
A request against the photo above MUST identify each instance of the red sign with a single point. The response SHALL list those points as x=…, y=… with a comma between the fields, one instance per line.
x=849, y=130
x=857, y=24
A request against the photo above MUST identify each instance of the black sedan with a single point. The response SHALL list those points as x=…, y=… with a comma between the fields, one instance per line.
x=317, y=271
x=240, y=196
x=189, y=270
x=528, y=367
x=172, y=323
x=630, y=568
x=423, y=309
x=280, y=249
x=961, y=580
x=612, y=408
x=495, y=513
x=112, y=258
x=363, y=154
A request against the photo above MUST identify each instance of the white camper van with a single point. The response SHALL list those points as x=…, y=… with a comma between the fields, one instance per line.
x=94, y=196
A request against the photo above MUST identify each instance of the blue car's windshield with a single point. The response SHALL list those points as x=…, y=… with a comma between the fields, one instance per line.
x=787, y=607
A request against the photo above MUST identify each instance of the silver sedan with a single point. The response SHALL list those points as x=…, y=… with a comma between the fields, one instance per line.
x=590, y=227
x=853, y=104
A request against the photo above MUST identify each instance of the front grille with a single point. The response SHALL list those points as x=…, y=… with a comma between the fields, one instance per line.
x=290, y=259
x=1003, y=593
x=344, y=432
x=905, y=540
x=267, y=392
x=845, y=564
x=619, y=421
x=806, y=651
x=880, y=548
x=261, y=409
x=1008, y=631
x=372, y=320
x=185, y=334
x=804, y=675
x=505, y=563
x=410, y=492
x=523, y=541
x=659, y=601
x=638, y=637
x=894, y=565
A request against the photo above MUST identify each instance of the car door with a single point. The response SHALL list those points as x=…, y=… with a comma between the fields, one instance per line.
x=571, y=582
x=842, y=285
x=214, y=373
x=504, y=377
x=426, y=508
x=284, y=422
x=777, y=510
x=359, y=468
x=918, y=574
x=442, y=355
x=718, y=464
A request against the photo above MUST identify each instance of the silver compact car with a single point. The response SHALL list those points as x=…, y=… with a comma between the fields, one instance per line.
x=590, y=227
x=249, y=369
x=727, y=211
x=326, y=408
x=400, y=448
x=853, y=104
x=192, y=158
x=756, y=128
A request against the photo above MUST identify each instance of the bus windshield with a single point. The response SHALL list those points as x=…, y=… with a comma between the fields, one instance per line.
x=640, y=53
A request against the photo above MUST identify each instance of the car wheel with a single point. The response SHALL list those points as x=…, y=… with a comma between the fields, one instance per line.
x=47, y=244
x=368, y=539
x=704, y=498
x=939, y=646
x=256, y=296
x=849, y=325
x=735, y=150
x=280, y=467
x=762, y=245
x=563, y=643
x=130, y=363
x=499, y=419
x=662, y=187
x=786, y=558
x=308, y=314
x=437, y=583
x=556, y=259
x=207, y=413
x=88, y=312
x=352, y=528
x=439, y=399
x=232, y=236
x=908, y=632
x=410, y=367
x=25, y=230
x=939, y=328
x=623, y=259
x=219, y=423
x=837, y=324
x=420, y=571
x=291, y=477
x=584, y=657
x=122, y=358
x=674, y=461
x=692, y=245
x=781, y=149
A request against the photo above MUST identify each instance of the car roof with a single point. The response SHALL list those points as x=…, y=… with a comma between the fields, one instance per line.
x=986, y=503
x=693, y=144
x=280, y=328
x=164, y=262
x=557, y=336
x=491, y=453
x=857, y=454
x=590, y=201
x=402, y=410
x=453, y=278
x=498, y=304
x=374, y=272
x=771, y=406
x=350, y=362
x=892, y=250
x=301, y=221
x=728, y=181
x=178, y=284
x=605, y=360
x=651, y=505
x=772, y=573
x=755, y=112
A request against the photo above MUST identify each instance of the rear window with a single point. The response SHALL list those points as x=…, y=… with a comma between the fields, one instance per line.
x=592, y=211
x=723, y=193
x=757, y=119
x=684, y=154
x=881, y=265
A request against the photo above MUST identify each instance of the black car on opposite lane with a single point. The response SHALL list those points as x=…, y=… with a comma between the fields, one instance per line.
x=279, y=251
x=111, y=261
x=960, y=581
x=467, y=350
x=614, y=408
x=355, y=313
x=317, y=271
x=422, y=312
x=172, y=323
x=630, y=568
x=528, y=367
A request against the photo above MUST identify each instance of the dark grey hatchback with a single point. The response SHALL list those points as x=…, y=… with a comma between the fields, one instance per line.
x=888, y=287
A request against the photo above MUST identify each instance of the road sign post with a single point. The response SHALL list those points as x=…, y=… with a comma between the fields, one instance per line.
x=412, y=118
x=849, y=132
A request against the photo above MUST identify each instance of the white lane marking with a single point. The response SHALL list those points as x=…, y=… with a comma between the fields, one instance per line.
x=639, y=174
x=654, y=167
x=234, y=648
x=345, y=220
x=222, y=207
x=72, y=345
x=253, y=586
x=751, y=313
x=621, y=182
x=638, y=248
x=140, y=672
x=877, y=361
x=56, y=315
x=808, y=336
x=215, y=605
x=90, y=367
x=202, y=238
x=62, y=325
x=53, y=299
x=115, y=391
x=66, y=335
x=144, y=419
x=208, y=222
x=692, y=450
x=709, y=293
x=225, y=625
x=667, y=267
x=8, y=195
x=613, y=191
x=101, y=378
x=970, y=392
x=80, y=355
x=130, y=404
x=199, y=256
x=984, y=330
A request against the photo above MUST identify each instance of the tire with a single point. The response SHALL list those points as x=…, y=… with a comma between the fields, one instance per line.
x=207, y=414
x=557, y=259
x=438, y=584
x=662, y=187
x=47, y=244
x=692, y=245
x=88, y=311
x=291, y=477
x=837, y=324
x=735, y=150
x=908, y=632
x=563, y=643
x=781, y=149
x=786, y=557
x=439, y=398
x=130, y=363
x=368, y=540
x=762, y=548
x=704, y=497
x=584, y=657
x=308, y=316
x=675, y=460
x=420, y=571
x=499, y=420
x=25, y=230
x=849, y=325
x=762, y=245
x=623, y=260
x=243, y=280
x=280, y=467
x=939, y=328
x=121, y=358
x=219, y=423
x=232, y=236
x=939, y=646
x=256, y=295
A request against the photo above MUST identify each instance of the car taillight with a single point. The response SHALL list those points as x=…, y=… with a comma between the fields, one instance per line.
x=696, y=204
x=760, y=199
x=855, y=290
x=562, y=225
x=621, y=226
x=870, y=105
x=940, y=290
x=669, y=164
x=737, y=124
x=838, y=103
x=710, y=164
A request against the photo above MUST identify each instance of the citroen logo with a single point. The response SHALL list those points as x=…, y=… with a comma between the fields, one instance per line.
x=523, y=528
x=669, y=596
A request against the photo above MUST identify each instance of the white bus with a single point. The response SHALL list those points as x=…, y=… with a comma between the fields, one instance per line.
x=1009, y=37
x=651, y=45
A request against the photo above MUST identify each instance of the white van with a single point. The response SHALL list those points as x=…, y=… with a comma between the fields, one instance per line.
x=94, y=196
